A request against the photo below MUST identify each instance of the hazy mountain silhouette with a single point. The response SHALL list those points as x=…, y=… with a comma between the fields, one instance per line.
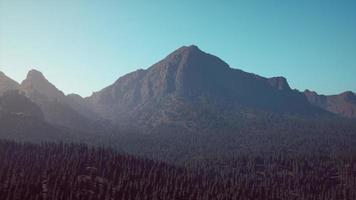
x=57, y=108
x=37, y=86
x=343, y=104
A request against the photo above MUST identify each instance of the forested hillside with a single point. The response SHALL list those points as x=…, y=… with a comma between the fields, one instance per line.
x=72, y=171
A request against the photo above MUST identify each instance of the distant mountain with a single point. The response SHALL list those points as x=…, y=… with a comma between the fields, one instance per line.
x=57, y=108
x=7, y=83
x=37, y=86
x=343, y=104
x=189, y=83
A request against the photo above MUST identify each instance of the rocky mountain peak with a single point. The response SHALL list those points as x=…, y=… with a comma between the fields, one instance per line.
x=188, y=49
x=188, y=70
x=37, y=84
x=35, y=75
x=192, y=57
x=185, y=49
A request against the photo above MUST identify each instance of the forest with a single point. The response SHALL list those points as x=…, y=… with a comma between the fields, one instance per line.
x=64, y=171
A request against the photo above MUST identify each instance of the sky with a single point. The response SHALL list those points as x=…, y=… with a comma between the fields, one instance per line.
x=84, y=45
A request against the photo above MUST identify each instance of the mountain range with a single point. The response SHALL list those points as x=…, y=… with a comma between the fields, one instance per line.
x=186, y=77
x=186, y=93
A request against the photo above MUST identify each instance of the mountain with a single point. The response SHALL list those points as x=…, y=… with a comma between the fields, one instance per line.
x=58, y=109
x=189, y=85
x=7, y=83
x=191, y=107
x=188, y=89
x=37, y=86
x=343, y=104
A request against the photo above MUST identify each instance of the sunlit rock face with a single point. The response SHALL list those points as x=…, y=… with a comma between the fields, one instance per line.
x=343, y=104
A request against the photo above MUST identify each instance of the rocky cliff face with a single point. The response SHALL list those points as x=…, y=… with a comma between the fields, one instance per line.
x=279, y=82
x=343, y=104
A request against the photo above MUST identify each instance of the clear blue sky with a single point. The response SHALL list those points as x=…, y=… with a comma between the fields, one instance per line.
x=83, y=46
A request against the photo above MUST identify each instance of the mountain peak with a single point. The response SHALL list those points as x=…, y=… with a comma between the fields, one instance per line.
x=187, y=51
x=36, y=82
x=190, y=48
x=35, y=74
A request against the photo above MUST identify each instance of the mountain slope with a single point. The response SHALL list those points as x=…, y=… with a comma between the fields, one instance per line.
x=15, y=103
x=343, y=104
x=187, y=82
x=23, y=120
x=7, y=84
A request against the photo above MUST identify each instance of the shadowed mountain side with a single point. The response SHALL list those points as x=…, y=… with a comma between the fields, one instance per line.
x=57, y=108
x=78, y=103
x=14, y=102
x=187, y=81
x=22, y=120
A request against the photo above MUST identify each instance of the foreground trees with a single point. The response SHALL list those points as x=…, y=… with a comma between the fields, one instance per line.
x=69, y=171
